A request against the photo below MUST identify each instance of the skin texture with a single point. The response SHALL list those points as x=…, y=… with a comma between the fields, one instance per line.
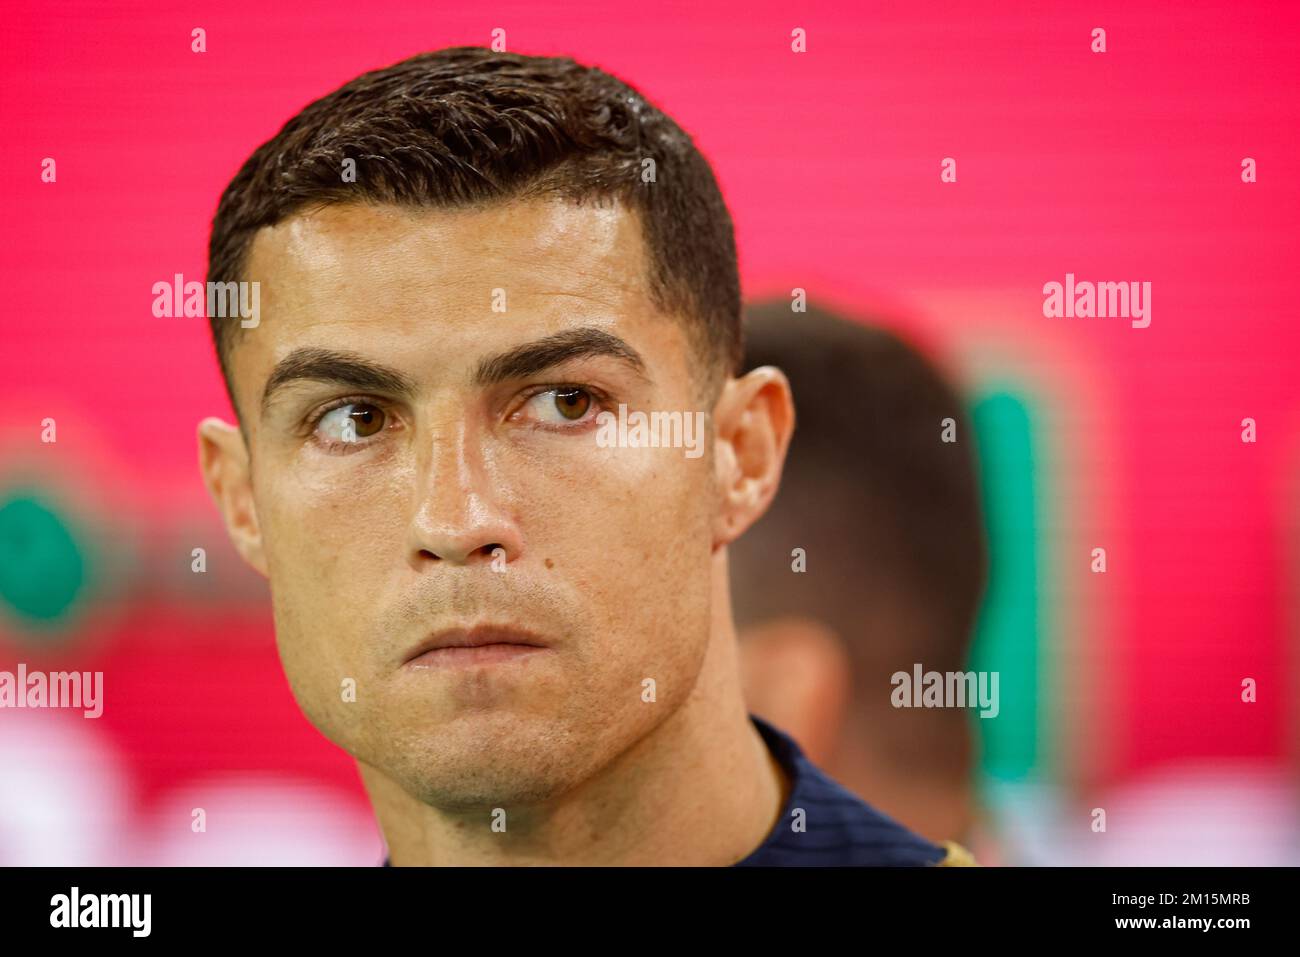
x=479, y=503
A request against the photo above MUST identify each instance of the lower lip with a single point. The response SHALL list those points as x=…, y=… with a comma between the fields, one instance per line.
x=475, y=655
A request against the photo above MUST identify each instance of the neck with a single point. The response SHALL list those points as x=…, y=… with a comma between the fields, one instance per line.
x=699, y=789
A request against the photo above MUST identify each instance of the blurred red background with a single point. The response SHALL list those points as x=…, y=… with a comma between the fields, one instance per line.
x=1123, y=165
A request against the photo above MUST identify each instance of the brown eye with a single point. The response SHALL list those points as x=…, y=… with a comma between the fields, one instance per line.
x=367, y=419
x=572, y=403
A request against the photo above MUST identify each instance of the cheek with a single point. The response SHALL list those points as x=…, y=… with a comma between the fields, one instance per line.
x=331, y=537
x=618, y=507
x=326, y=515
x=331, y=534
x=630, y=531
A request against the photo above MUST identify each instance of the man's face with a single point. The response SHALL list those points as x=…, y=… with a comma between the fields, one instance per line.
x=474, y=491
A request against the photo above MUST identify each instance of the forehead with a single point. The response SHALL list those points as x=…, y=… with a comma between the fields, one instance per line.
x=341, y=252
x=464, y=280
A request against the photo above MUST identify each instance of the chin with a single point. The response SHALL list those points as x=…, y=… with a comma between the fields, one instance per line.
x=479, y=758
x=478, y=782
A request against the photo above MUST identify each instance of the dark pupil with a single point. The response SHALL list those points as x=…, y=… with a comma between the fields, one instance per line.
x=366, y=419
x=572, y=402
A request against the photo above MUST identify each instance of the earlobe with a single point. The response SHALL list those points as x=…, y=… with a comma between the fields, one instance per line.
x=223, y=460
x=754, y=419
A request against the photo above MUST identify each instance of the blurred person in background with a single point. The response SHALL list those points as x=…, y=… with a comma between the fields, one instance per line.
x=888, y=517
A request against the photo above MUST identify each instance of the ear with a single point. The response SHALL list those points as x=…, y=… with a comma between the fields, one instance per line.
x=754, y=419
x=223, y=460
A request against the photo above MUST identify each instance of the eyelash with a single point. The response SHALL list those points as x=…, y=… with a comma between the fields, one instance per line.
x=601, y=398
x=314, y=420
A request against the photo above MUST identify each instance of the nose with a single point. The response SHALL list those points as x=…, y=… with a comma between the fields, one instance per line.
x=459, y=517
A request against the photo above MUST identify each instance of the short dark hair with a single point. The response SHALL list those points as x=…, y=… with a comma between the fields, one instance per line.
x=890, y=516
x=465, y=126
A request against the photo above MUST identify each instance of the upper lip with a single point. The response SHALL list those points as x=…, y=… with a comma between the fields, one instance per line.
x=476, y=636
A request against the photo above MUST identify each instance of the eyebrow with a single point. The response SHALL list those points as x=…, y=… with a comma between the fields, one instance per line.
x=357, y=372
x=535, y=357
x=344, y=368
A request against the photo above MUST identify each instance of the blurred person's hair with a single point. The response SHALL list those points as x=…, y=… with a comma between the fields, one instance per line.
x=465, y=127
x=888, y=515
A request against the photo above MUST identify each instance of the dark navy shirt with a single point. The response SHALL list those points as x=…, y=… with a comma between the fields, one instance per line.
x=837, y=828
x=823, y=824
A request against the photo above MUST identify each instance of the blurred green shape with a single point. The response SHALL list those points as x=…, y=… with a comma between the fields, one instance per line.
x=1007, y=635
x=42, y=565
